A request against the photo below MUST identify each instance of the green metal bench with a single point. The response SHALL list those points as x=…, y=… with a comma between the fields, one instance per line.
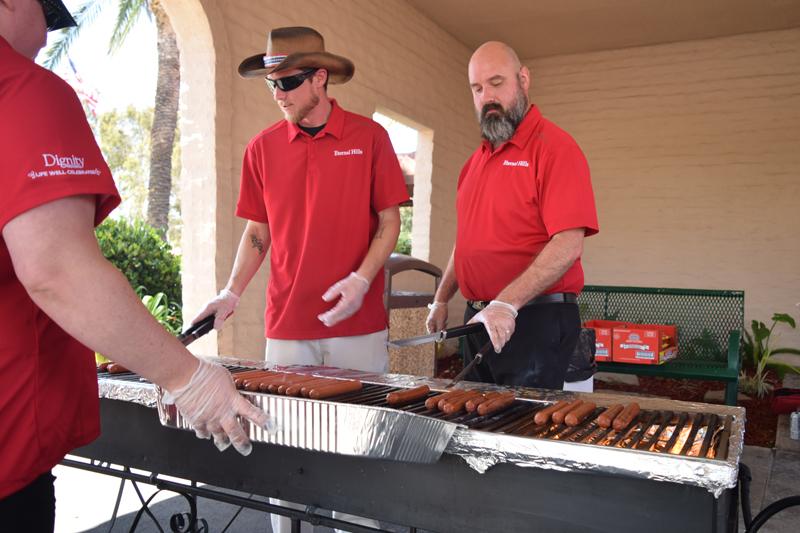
x=710, y=325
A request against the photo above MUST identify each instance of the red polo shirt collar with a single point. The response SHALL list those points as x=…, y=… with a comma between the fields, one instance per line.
x=522, y=135
x=334, y=126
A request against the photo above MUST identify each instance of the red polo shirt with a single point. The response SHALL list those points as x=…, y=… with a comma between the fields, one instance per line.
x=48, y=381
x=321, y=197
x=512, y=200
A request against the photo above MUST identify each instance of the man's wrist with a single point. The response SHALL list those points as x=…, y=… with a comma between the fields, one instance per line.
x=505, y=305
x=360, y=277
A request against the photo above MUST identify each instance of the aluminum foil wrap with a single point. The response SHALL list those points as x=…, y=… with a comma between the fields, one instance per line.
x=128, y=390
x=387, y=433
x=481, y=450
x=346, y=429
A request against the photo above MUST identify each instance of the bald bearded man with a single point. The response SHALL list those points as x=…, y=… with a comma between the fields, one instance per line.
x=524, y=205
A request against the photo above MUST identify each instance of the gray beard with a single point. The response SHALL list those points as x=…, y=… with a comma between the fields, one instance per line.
x=500, y=127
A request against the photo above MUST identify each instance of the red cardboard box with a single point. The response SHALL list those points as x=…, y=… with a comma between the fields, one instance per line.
x=644, y=344
x=603, y=340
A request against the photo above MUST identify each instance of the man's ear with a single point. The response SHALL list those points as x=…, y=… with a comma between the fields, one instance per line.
x=323, y=78
x=525, y=78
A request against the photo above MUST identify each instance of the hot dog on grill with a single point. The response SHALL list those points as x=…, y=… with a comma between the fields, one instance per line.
x=404, y=397
x=457, y=404
x=240, y=377
x=558, y=416
x=262, y=384
x=433, y=401
x=116, y=368
x=473, y=403
x=579, y=414
x=305, y=390
x=607, y=417
x=259, y=383
x=254, y=381
x=335, y=389
x=458, y=394
x=296, y=378
x=273, y=385
x=496, y=404
x=627, y=416
x=543, y=416
x=297, y=389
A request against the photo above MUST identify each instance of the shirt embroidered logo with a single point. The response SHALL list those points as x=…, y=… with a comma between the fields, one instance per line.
x=352, y=151
x=72, y=161
x=507, y=163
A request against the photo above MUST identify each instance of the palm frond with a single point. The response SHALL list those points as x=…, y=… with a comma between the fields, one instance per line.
x=129, y=13
x=85, y=15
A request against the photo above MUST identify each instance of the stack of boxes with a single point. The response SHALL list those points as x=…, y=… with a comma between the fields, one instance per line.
x=644, y=344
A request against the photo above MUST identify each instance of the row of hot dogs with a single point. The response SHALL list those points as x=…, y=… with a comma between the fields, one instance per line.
x=455, y=401
x=485, y=403
x=292, y=384
x=452, y=402
x=573, y=413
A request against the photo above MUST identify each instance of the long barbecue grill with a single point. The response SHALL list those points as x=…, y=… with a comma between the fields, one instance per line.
x=676, y=462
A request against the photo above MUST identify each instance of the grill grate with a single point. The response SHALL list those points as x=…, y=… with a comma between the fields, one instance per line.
x=706, y=435
x=679, y=433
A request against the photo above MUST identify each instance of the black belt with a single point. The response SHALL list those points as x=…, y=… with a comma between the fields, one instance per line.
x=554, y=298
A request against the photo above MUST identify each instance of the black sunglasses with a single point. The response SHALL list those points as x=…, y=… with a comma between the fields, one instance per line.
x=290, y=83
x=56, y=15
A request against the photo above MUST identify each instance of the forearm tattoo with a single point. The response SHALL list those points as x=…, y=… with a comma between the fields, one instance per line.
x=257, y=243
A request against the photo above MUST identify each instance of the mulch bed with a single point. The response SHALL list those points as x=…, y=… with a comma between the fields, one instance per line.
x=760, y=426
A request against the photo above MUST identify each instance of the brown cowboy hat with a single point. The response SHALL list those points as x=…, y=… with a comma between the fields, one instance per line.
x=296, y=47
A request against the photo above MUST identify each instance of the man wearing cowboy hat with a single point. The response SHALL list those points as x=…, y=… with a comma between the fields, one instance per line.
x=322, y=189
x=59, y=296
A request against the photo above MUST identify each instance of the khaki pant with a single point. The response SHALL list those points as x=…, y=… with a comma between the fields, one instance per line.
x=361, y=352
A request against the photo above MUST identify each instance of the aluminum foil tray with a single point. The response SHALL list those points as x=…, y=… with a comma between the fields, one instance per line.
x=347, y=429
x=386, y=433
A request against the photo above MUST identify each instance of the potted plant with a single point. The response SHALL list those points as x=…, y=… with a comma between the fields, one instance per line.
x=758, y=355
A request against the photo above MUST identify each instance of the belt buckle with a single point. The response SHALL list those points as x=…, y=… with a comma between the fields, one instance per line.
x=477, y=305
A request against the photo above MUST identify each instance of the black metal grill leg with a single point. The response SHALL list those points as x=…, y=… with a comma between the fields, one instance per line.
x=295, y=525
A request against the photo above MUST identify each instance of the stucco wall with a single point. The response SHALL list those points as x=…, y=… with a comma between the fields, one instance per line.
x=693, y=146
x=404, y=64
x=694, y=149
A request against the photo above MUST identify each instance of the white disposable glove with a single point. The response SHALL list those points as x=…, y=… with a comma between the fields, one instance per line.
x=210, y=404
x=500, y=320
x=350, y=291
x=437, y=317
x=222, y=306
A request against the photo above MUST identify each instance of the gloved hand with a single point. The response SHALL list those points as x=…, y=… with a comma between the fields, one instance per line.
x=222, y=305
x=210, y=404
x=351, y=291
x=500, y=321
x=437, y=317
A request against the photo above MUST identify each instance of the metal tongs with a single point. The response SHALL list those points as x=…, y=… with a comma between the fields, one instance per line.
x=475, y=361
x=439, y=336
x=195, y=331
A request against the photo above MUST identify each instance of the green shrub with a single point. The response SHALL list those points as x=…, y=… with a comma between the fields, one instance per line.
x=404, y=240
x=144, y=257
x=165, y=312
